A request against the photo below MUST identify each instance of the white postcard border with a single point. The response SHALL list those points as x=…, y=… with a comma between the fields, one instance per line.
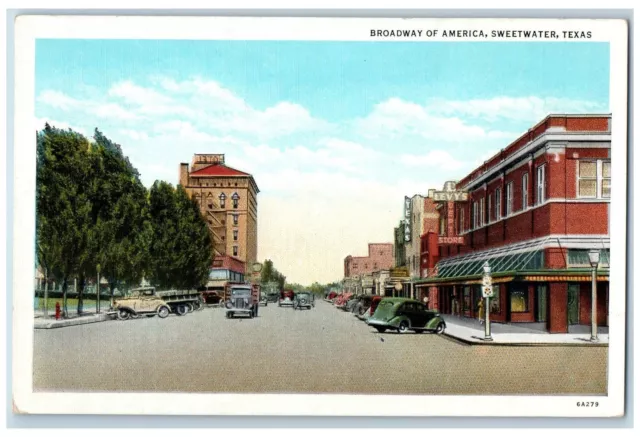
x=29, y=28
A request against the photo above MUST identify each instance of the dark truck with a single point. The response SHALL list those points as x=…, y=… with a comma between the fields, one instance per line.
x=242, y=299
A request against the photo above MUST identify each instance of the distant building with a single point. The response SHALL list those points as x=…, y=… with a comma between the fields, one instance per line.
x=228, y=200
x=359, y=270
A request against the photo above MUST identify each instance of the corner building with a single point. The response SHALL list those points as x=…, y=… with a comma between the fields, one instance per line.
x=228, y=199
x=534, y=210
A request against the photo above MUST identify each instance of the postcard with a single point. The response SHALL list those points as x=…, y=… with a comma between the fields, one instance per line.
x=319, y=216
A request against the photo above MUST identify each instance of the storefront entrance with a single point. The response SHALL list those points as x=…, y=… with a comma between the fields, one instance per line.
x=573, y=304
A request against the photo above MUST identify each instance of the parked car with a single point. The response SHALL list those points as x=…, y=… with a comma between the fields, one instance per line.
x=404, y=315
x=286, y=298
x=350, y=303
x=363, y=305
x=142, y=301
x=304, y=299
x=375, y=300
x=342, y=300
x=331, y=296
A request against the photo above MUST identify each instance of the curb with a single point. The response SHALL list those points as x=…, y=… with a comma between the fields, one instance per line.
x=469, y=342
x=71, y=322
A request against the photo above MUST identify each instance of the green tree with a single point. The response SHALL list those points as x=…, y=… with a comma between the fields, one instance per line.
x=63, y=204
x=181, y=249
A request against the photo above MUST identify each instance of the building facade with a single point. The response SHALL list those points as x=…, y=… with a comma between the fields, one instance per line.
x=228, y=199
x=532, y=211
x=359, y=270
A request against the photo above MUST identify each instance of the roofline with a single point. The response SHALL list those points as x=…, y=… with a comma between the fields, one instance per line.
x=243, y=175
x=516, y=273
x=597, y=115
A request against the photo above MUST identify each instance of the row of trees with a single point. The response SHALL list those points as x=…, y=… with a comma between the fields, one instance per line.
x=270, y=274
x=316, y=287
x=95, y=218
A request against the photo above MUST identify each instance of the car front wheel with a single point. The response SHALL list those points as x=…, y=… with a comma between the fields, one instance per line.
x=440, y=328
x=163, y=312
x=123, y=315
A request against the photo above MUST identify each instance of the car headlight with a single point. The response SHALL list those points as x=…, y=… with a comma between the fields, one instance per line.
x=228, y=304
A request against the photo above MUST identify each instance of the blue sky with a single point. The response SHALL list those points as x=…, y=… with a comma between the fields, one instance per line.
x=341, y=129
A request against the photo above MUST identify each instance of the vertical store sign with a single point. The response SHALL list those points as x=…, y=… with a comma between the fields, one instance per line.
x=407, y=219
x=449, y=195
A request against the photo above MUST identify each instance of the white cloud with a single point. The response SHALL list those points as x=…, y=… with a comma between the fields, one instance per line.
x=114, y=111
x=58, y=100
x=530, y=109
x=435, y=158
x=396, y=118
x=134, y=134
x=134, y=94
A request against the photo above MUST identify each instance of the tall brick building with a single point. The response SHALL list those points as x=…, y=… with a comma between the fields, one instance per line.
x=228, y=200
x=533, y=211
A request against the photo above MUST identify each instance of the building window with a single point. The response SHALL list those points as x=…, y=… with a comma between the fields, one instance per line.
x=235, y=219
x=222, y=199
x=442, y=227
x=594, y=179
x=509, y=200
x=482, y=212
x=466, y=299
x=235, y=235
x=606, y=179
x=525, y=191
x=498, y=204
x=474, y=209
x=489, y=204
x=587, y=178
x=461, y=230
x=235, y=199
x=541, y=185
x=519, y=299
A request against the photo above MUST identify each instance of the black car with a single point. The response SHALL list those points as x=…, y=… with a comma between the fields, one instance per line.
x=303, y=299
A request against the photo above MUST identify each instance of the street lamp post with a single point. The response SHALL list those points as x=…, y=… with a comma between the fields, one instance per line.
x=594, y=260
x=487, y=291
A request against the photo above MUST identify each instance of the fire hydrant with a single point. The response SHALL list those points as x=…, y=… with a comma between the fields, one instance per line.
x=57, y=310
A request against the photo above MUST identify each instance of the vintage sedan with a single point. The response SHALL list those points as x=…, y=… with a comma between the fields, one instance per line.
x=286, y=298
x=402, y=315
x=303, y=299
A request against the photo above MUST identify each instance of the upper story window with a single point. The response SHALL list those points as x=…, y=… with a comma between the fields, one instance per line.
x=509, y=200
x=235, y=219
x=235, y=250
x=461, y=228
x=498, y=204
x=489, y=205
x=474, y=214
x=525, y=191
x=235, y=199
x=482, y=211
x=235, y=235
x=594, y=179
x=442, y=226
x=541, y=185
x=222, y=199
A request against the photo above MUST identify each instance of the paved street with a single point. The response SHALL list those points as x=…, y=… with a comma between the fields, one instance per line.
x=286, y=351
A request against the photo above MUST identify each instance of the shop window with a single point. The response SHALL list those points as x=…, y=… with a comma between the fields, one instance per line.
x=509, y=200
x=525, y=191
x=541, y=185
x=494, y=302
x=498, y=204
x=519, y=299
x=580, y=258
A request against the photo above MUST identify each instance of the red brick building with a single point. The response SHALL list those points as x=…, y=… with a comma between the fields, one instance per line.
x=532, y=211
x=380, y=257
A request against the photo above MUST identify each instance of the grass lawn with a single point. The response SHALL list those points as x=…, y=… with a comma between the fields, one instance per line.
x=72, y=303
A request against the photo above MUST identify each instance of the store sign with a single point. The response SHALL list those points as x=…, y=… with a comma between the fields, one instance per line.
x=450, y=194
x=407, y=219
x=450, y=240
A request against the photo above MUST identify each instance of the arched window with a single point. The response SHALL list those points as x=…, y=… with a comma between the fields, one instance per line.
x=235, y=199
x=222, y=199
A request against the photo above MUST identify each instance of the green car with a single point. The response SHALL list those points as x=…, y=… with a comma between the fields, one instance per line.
x=404, y=315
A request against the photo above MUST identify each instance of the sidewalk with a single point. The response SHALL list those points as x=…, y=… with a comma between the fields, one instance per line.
x=470, y=331
x=40, y=322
